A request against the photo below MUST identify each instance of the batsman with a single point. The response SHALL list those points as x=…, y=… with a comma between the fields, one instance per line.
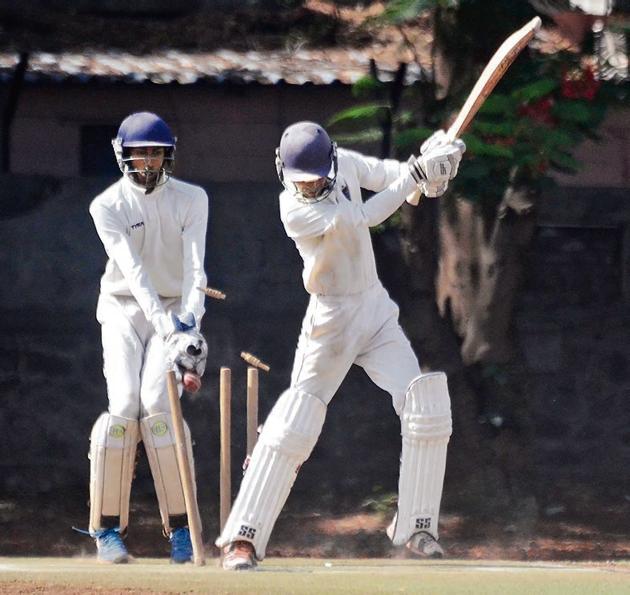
x=350, y=319
x=153, y=229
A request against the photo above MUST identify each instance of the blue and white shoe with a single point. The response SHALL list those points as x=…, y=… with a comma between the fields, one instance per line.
x=110, y=547
x=181, y=546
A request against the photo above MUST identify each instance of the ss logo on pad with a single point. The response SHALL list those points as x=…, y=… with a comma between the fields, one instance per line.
x=423, y=523
x=246, y=531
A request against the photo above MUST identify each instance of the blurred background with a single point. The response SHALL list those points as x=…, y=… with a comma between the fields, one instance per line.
x=516, y=283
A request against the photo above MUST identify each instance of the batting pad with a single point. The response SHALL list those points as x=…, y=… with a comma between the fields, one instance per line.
x=113, y=443
x=426, y=428
x=159, y=443
x=287, y=439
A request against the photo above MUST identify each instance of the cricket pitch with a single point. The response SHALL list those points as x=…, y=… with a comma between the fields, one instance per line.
x=64, y=576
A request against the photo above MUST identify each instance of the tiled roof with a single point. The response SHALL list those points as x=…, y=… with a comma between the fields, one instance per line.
x=269, y=67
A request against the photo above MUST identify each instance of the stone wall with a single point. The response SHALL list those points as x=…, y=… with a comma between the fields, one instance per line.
x=572, y=323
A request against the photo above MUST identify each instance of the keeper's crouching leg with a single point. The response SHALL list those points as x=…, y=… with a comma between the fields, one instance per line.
x=287, y=439
x=426, y=428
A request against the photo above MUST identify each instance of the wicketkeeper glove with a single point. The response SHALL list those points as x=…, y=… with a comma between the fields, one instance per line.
x=185, y=347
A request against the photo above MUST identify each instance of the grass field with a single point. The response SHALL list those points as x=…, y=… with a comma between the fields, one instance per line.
x=300, y=576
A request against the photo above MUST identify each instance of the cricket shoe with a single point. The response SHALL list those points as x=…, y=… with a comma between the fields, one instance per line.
x=110, y=547
x=239, y=555
x=181, y=546
x=425, y=545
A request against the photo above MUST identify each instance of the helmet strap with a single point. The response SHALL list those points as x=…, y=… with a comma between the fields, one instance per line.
x=279, y=166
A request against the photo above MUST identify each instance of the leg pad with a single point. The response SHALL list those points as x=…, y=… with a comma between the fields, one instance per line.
x=287, y=439
x=426, y=427
x=159, y=443
x=113, y=444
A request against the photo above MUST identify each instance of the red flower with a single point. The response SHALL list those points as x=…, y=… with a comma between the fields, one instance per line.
x=580, y=84
x=505, y=142
x=542, y=166
x=539, y=111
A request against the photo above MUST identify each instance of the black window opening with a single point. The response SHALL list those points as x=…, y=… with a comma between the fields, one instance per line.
x=97, y=154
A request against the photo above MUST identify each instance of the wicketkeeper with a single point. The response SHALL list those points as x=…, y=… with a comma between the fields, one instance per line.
x=153, y=228
x=350, y=320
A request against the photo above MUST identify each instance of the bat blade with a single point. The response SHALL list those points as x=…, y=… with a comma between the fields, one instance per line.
x=492, y=74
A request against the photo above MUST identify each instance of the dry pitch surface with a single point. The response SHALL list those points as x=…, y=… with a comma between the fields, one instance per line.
x=299, y=576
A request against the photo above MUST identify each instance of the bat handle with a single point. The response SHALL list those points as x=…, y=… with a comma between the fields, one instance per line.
x=413, y=198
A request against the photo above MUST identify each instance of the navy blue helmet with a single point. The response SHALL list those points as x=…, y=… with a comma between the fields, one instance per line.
x=306, y=154
x=144, y=129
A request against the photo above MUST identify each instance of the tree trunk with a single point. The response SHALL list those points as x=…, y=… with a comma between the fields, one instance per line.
x=480, y=270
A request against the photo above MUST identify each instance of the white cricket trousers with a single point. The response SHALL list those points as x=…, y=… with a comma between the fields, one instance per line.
x=134, y=362
x=361, y=329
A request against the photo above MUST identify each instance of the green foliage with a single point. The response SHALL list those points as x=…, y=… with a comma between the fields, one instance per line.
x=528, y=128
x=534, y=126
x=577, y=112
x=367, y=86
x=411, y=138
x=380, y=501
x=496, y=105
x=359, y=113
x=366, y=136
x=475, y=145
x=536, y=90
x=503, y=128
x=401, y=11
x=392, y=222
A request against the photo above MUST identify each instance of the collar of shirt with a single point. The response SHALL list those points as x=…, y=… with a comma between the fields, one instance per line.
x=138, y=191
x=340, y=191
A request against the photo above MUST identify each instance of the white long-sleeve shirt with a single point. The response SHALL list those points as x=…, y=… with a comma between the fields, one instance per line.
x=333, y=236
x=156, y=246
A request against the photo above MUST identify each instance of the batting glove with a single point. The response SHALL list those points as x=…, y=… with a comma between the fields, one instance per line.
x=433, y=170
x=437, y=139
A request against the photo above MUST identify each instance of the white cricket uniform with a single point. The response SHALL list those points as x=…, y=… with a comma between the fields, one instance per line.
x=156, y=244
x=350, y=319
